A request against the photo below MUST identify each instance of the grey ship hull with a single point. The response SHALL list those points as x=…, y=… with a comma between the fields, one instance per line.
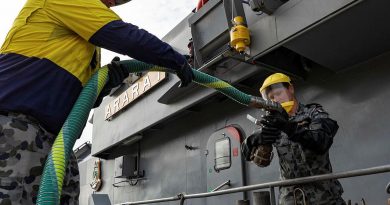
x=347, y=45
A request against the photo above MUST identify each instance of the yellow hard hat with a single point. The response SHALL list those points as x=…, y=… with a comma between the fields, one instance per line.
x=275, y=78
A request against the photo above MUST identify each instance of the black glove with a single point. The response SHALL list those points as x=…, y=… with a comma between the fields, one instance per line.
x=116, y=74
x=265, y=135
x=279, y=120
x=262, y=136
x=185, y=74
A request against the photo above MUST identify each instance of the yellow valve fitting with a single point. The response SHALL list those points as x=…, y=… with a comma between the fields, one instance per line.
x=239, y=35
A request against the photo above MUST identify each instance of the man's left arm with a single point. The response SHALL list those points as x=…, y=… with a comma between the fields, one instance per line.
x=316, y=135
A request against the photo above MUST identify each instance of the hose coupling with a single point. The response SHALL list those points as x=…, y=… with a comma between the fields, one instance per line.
x=260, y=103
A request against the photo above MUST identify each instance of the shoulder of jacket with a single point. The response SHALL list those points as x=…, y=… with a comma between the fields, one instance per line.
x=313, y=105
x=315, y=110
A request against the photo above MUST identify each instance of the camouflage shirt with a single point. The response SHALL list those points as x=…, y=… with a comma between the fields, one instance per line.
x=305, y=153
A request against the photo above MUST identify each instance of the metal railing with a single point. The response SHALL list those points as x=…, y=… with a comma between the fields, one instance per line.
x=289, y=182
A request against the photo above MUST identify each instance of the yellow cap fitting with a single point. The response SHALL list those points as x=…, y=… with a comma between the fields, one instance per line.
x=239, y=35
x=238, y=20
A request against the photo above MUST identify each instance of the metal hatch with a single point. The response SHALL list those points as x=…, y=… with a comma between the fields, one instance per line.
x=224, y=164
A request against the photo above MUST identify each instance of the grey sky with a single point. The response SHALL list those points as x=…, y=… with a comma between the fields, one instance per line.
x=155, y=16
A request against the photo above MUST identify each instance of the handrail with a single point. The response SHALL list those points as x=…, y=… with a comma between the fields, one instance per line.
x=289, y=182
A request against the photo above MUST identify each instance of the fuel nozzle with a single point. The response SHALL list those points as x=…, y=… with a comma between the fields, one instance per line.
x=239, y=35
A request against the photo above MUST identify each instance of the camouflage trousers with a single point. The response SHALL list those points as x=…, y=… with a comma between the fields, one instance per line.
x=299, y=201
x=24, y=146
x=292, y=202
x=309, y=194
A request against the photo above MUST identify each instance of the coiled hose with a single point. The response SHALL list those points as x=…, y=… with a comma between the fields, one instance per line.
x=54, y=171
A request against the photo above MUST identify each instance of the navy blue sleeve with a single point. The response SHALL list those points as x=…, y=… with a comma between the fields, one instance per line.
x=128, y=39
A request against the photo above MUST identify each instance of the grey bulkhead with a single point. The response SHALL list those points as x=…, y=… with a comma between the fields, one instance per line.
x=352, y=84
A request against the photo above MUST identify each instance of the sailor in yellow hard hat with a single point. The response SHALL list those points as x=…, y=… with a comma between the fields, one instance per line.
x=278, y=88
x=302, y=140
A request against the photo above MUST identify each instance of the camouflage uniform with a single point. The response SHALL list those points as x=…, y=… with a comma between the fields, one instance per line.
x=24, y=146
x=298, y=159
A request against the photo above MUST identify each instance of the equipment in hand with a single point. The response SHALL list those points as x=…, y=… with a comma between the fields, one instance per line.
x=279, y=120
x=258, y=146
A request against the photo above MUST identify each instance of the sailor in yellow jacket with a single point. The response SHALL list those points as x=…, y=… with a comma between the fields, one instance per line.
x=47, y=57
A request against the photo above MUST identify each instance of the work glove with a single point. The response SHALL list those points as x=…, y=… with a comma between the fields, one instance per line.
x=263, y=136
x=116, y=74
x=280, y=121
x=185, y=74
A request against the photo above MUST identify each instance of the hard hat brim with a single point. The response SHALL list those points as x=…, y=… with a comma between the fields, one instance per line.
x=275, y=78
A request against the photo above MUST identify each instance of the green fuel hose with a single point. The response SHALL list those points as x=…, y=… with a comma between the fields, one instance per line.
x=54, y=171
